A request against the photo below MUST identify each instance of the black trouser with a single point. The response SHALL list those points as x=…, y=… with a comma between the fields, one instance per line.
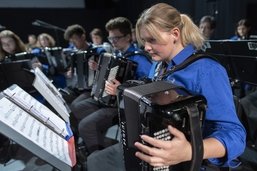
x=3, y=140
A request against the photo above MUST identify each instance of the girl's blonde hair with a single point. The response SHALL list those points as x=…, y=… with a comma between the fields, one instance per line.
x=165, y=17
x=48, y=37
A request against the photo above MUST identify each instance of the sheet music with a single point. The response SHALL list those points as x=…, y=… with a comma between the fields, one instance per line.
x=51, y=94
x=37, y=109
x=35, y=131
x=39, y=73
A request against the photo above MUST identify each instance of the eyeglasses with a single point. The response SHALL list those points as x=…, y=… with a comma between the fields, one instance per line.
x=115, y=39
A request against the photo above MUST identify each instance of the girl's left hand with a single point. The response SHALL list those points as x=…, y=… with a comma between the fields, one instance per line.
x=165, y=153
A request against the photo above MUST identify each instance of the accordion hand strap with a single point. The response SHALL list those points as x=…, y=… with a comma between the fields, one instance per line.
x=196, y=137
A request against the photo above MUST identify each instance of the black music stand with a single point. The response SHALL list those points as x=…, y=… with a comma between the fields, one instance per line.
x=219, y=50
x=243, y=57
x=17, y=72
x=215, y=47
x=242, y=48
x=238, y=57
x=245, y=68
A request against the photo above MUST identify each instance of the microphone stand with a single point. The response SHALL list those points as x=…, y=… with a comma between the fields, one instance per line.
x=43, y=24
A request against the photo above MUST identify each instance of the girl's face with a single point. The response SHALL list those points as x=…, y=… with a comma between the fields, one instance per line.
x=44, y=42
x=242, y=31
x=8, y=45
x=206, y=29
x=159, y=51
x=32, y=40
x=97, y=40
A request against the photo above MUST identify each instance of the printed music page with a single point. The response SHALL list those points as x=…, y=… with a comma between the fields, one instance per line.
x=38, y=110
x=34, y=135
x=51, y=94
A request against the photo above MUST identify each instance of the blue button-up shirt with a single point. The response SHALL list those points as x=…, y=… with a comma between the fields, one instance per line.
x=208, y=78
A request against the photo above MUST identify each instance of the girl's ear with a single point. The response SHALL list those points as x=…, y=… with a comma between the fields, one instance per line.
x=175, y=32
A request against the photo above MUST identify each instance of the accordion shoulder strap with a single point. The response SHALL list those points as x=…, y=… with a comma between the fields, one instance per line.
x=194, y=57
x=141, y=53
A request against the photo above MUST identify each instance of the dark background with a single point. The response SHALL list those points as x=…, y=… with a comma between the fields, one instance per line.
x=97, y=12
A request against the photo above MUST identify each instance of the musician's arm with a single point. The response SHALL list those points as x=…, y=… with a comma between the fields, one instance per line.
x=221, y=125
x=213, y=148
x=230, y=135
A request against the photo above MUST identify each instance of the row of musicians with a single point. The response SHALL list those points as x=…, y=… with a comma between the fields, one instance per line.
x=81, y=103
x=94, y=118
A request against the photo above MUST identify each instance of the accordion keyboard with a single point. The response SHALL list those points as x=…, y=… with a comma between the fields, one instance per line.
x=163, y=134
x=112, y=75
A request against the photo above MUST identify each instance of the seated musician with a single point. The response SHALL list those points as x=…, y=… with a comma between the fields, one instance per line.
x=95, y=118
x=45, y=40
x=10, y=44
x=98, y=40
x=171, y=37
x=207, y=26
x=32, y=42
x=243, y=30
x=76, y=35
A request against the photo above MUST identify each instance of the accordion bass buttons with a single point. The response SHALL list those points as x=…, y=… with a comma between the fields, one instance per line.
x=161, y=168
x=163, y=134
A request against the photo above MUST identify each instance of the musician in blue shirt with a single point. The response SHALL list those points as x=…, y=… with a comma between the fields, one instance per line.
x=45, y=40
x=95, y=118
x=224, y=135
x=76, y=35
x=170, y=37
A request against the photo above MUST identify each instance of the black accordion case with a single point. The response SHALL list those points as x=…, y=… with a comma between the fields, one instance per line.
x=149, y=109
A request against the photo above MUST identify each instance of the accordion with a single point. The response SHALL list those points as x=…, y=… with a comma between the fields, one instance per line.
x=18, y=56
x=85, y=76
x=55, y=59
x=111, y=67
x=149, y=109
